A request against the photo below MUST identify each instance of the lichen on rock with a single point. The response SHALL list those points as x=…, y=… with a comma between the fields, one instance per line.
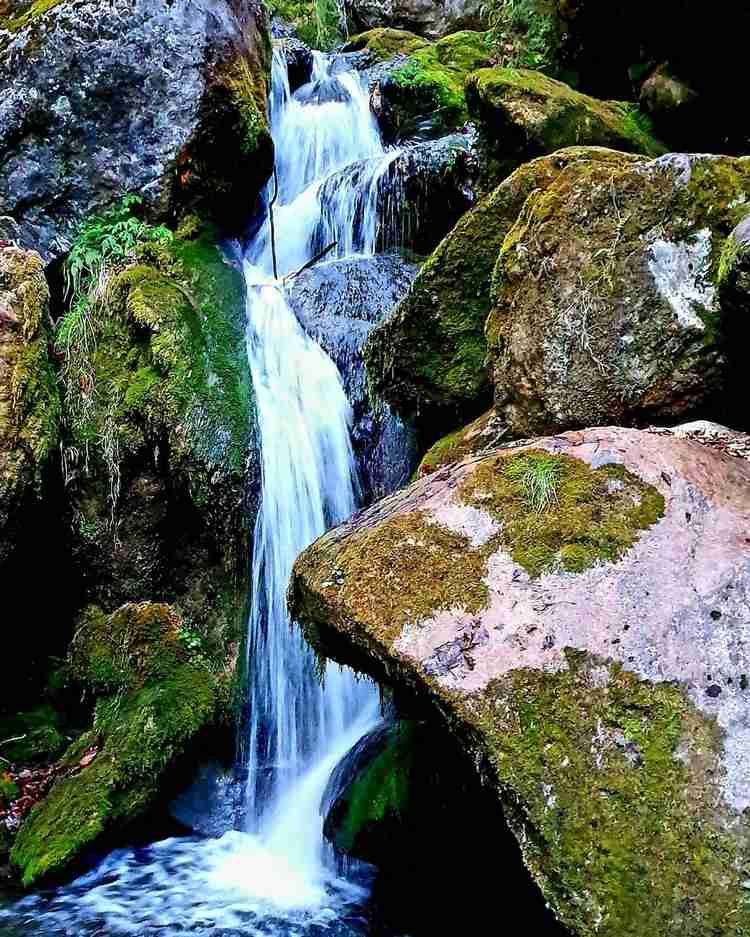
x=638, y=331
x=606, y=699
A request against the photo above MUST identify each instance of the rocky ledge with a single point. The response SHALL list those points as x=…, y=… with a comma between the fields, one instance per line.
x=576, y=608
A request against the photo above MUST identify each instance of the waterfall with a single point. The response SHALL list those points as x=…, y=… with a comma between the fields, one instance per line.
x=271, y=876
x=297, y=720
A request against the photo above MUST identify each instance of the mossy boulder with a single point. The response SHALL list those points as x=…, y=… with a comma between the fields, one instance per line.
x=161, y=450
x=575, y=608
x=154, y=691
x=189, y=131
x=421, y=92
x=428, y=358
x=606, y=299
x=523, y=113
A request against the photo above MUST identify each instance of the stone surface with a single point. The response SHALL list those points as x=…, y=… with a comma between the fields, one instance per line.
x=608, y=701
x=425, y=17
x=29, y=398
x=608, y=305
x=338, y=304
x=164, y=99
x=428, y=358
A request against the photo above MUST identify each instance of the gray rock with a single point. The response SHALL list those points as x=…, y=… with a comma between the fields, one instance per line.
x=145, y=96
x=424, y=17
x=338, y=304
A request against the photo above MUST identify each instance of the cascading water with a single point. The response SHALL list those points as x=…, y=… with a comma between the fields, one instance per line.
x=271, y=876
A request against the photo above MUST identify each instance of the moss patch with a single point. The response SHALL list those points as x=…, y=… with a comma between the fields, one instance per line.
x=635, y=848
x=431, y=81
x=584, y=516
x=403, y=570
x=16, y=16
x=384, y=43
x=154, y=693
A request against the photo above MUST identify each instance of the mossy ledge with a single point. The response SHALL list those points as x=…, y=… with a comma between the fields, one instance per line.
x=154, y=691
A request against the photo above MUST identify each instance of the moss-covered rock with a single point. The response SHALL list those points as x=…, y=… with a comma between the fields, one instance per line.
x=428, y=358
x=154, y=690
x=606, y=699
x=524, y=113
x=606, y=301
x=422, y=92
x=161, y=449
x=486, y=432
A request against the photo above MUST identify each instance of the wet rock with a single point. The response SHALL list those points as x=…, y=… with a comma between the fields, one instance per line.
x=608, y=305
x=430, y=19
x=299, y=60
x=591, y=617
x=338, y=304
x=165, y=99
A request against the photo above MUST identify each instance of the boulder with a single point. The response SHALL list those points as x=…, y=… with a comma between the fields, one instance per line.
x=428, y=358
x=338, y=304
x=607, y=301
x=576, y=608
x=155, y=688
x=187, y=129
x=418, y=89
x=524, y=113
x=431, y=19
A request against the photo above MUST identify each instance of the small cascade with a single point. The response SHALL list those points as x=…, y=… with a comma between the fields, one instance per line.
x=271, y=876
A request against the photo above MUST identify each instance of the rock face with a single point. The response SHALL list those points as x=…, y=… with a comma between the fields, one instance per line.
x=187, y=130
x=30, y=413
x=29, y=398
x=428, y=358
x=430, y=19
x=523, y=114
x=161, y=458
x=607, y=306
x=577, y=608
x=338, y=304
x=155, y=690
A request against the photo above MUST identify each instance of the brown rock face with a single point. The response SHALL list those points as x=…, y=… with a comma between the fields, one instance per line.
x=578, y=608
x=608, y=306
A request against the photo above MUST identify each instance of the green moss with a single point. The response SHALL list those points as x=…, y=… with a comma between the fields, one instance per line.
x=526, y=112
x=316, y=22
x=431, y=81
x=25, y=14
x=32, y=737
x=154, y=694
x=526, y=33
x=402, y=571
x=586, y=516
x=379, y=794
x=384, y=43
x=484, y=433
x=635, y=848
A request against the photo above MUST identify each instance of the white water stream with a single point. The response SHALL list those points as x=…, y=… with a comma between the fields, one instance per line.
x=271, y=877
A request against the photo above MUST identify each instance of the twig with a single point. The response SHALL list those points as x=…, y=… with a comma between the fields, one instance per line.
x=18, y=738
x=320, y=256
x=273, y=226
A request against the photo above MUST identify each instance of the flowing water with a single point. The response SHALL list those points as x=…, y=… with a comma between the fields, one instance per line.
x=273, y=875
